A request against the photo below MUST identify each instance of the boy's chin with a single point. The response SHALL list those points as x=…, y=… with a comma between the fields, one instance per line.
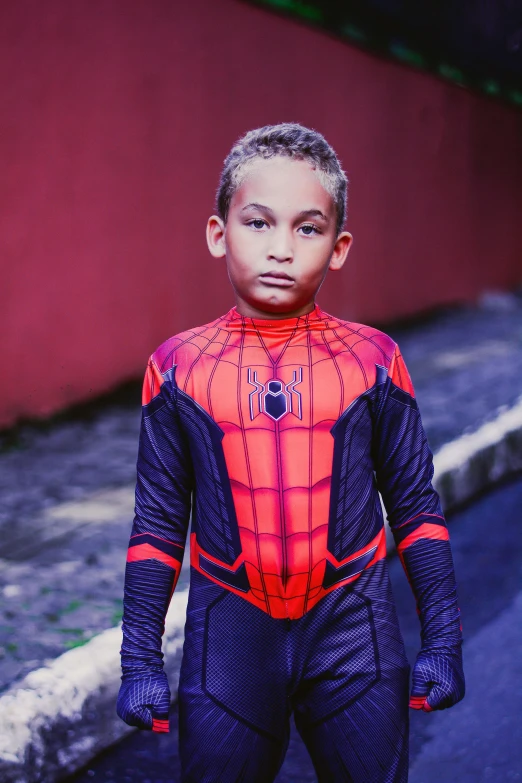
x=279, y=307
x=279, y=302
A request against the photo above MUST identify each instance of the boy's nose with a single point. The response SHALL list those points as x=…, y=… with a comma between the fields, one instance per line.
x=281, y=246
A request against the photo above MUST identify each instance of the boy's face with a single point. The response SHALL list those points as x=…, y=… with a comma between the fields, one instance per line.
x=280, y=238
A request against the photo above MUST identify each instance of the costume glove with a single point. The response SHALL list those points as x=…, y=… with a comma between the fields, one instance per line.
x=144, y=701
x=144, y=696
x=437, y=680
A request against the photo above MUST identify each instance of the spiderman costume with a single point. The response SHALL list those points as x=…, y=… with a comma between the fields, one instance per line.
x=278, y=434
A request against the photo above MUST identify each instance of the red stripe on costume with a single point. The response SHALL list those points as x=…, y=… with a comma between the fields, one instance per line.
x=160, y=726
x=149, y=552
x=152, y=383
x=399, y=374
x=424, y=531
x=417, y=702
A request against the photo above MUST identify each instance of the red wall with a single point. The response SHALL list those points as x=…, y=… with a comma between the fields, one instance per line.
x=115, y=118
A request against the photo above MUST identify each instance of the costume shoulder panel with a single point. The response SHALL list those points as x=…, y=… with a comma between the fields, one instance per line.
x=186, y=347
x=374, y=342
x=370, y=347
x=183, y=350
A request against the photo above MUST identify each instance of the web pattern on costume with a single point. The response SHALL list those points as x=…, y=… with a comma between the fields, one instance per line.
x=269, y=406
x=273, y=439
x=277, y=428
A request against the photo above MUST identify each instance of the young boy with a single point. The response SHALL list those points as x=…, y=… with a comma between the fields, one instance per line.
x=277, y=424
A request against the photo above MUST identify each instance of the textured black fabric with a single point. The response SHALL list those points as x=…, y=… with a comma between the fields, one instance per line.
x=355, y=508
x=404, y=469
x=213, y=515
x=342, y=668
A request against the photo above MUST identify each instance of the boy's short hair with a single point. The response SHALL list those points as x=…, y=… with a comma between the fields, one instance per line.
x=292, y=140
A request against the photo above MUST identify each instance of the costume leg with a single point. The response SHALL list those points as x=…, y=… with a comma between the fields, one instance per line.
x=365, y=743
x=351, y=706
x=233, y=704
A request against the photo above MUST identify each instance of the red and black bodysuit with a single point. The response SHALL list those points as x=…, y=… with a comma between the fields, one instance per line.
x=278, y=436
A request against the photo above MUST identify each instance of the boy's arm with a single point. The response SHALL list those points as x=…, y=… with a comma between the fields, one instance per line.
x=162, y=512
x=404, y=471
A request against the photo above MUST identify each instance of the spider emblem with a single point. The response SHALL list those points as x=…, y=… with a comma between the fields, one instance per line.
x=275, y=398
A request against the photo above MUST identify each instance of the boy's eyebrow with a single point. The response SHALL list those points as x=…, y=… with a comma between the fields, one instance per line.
x=313, y=213
x=304, y=213
x=255, y=205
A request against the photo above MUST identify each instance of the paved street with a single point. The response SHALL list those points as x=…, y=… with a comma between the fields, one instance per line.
x=475, y=742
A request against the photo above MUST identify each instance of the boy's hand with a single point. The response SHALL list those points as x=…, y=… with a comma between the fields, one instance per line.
x=437, y=680
x=144, y=701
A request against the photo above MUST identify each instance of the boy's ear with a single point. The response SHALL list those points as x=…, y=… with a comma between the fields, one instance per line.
x=216, y=236
x=342, y=245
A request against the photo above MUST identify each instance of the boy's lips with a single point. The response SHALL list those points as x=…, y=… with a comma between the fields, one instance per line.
x=277, y=278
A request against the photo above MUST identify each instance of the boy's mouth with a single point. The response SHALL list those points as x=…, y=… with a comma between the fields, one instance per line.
x=277, y=278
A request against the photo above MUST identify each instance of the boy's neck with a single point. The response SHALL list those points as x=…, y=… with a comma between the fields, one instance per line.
x=249, y=311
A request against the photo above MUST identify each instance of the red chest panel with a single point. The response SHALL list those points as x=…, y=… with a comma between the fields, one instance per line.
x=276, y=390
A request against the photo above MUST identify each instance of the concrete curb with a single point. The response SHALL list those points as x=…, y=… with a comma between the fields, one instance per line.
x=62, y=715
x=476, y=461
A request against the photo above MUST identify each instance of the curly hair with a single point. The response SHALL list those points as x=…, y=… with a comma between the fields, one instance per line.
x=288, y=139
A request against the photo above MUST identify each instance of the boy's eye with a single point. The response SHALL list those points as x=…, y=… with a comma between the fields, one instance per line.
x=309, y=229
x=257, y=223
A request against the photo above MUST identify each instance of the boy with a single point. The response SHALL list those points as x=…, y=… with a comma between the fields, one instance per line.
x=278, y=424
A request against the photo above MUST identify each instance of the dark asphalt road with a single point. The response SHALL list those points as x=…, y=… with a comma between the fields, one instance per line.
x=476, y=741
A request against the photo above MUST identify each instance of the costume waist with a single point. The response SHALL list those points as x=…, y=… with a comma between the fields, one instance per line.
x=286, y=584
